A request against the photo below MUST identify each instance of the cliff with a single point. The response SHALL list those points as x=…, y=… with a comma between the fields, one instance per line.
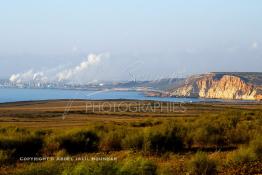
x=244, y=86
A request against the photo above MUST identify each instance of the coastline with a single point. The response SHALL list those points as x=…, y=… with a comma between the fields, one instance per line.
x=10, y=95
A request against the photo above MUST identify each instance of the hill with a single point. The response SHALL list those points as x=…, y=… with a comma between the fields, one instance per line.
x=225, y=85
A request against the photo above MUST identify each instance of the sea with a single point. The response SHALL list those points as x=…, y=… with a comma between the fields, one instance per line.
x=19, y=94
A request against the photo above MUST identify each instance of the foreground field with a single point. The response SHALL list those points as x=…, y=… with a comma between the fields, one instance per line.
x=130, y=137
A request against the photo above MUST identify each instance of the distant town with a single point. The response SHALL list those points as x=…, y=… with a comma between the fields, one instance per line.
x=121, y=86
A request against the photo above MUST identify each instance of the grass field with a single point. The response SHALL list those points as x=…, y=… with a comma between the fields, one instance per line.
x=130, y=137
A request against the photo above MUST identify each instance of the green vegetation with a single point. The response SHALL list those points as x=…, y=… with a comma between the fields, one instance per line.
x=82, y=141
x=107, y=168
x=242, y=155
x=197, y=142
x=200, y=164
x=137, y=166
x=17, y=142
x=129, y=166
x=51, y=168
x=245, y=154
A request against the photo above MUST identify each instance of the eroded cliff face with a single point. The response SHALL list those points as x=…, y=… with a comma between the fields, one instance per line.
x=225, y=87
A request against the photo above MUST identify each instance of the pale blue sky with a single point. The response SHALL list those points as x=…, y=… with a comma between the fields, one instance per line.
x=165, y=37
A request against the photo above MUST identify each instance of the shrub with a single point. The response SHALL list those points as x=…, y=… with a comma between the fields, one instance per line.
x=256, y=146
x=238, y=136
x=189, y=139
x=45, y=168
x=174, y=141
x=111, y=141
x=138, y=166
x=51, y=146
x=42, y=132
x=246, y=154
x=145, y=123
x=93, y=168
x=200, y=164
x=3, y=130
x=171, y=168
x=83, y=141
x=5, y=156
x=19, y=142
x=212, y=134
x=22, y=146
x=133, y=141
x=233, y=121
x=167, y=139
x=242, y=155
x=154, y=142
x=129, y=166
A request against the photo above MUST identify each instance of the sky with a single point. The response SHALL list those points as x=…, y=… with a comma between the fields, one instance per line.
x=147, y=39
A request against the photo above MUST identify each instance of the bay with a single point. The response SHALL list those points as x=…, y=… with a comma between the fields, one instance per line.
x=17, y=94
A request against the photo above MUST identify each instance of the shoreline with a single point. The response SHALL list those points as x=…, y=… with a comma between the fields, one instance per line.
x=237, y=102
x=13, y=95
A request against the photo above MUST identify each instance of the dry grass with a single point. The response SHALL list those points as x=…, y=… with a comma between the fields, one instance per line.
x=230, y=125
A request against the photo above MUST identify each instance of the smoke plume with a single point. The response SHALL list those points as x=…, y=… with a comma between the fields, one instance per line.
x=28, y=76
x=91, y=59
x=62, y=75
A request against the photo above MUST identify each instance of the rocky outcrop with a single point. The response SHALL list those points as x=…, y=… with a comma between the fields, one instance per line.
x=220, y=85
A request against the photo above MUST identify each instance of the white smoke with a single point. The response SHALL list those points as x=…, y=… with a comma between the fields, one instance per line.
x=14, y=77
x=62, y=75
x=30, y=75
x=91, y=59
x=40, y=76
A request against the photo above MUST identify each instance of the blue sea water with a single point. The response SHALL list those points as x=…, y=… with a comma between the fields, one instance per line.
x=15, y=94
